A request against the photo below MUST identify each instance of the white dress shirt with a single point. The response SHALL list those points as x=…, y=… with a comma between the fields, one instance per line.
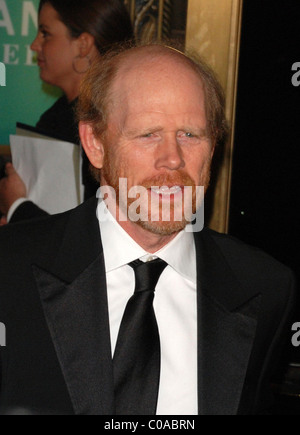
x=175, y=306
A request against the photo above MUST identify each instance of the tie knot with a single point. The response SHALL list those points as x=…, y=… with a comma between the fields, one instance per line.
x=147, y=274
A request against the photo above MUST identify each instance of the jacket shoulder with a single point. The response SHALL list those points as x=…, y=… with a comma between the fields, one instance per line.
x=41, y=239
x=31, y=236
x=247, y=260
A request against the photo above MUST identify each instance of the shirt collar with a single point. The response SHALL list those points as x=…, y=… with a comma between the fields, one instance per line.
x=120, y=249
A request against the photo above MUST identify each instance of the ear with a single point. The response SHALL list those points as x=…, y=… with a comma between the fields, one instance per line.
x=86, y=43
x=92, y=146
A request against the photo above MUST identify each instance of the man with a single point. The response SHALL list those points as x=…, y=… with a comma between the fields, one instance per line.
x=82, y=336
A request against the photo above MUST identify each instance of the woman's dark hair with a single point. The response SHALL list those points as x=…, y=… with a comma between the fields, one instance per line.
x=108, y=21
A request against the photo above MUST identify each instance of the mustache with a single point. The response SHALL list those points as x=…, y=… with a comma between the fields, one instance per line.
x=169, y=180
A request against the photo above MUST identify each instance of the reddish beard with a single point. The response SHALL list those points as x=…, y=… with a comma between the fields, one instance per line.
x=111, y=175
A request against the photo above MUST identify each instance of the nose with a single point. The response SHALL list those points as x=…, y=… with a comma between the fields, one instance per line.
x=169, y=155
x=36, y=44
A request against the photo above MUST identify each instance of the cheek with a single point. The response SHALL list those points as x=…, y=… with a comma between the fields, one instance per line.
x=58, y=56
x=198, y=164
x=115, y=165
x=134, y=164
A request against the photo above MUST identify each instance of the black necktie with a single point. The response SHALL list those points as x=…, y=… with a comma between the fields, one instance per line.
x=137, y=354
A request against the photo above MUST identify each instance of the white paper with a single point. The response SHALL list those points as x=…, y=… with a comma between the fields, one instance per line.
x=51, y=171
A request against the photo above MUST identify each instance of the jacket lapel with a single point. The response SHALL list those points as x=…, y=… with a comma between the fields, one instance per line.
x=227, y=320
x=74, y=299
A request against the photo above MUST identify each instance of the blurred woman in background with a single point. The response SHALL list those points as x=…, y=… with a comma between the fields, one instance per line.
x=71, y=35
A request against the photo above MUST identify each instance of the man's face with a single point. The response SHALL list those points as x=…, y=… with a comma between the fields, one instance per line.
x=157, y=137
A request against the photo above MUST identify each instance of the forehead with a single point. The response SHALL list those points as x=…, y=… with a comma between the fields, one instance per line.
x=159, y=81
x=48, y=13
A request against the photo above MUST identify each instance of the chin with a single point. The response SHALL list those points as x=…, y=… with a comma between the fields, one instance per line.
x=163, y=228
x=45, y=78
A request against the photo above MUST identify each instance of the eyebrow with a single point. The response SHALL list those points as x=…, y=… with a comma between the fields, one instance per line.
x=43, y=26
x=201, y=132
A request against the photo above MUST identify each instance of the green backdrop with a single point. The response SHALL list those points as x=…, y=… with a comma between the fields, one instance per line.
x=25, y=97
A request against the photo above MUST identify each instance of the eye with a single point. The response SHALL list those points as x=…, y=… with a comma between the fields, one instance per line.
x=147, y=138
x=189, y=137
x=149, y=135
x=186, y=135
x=44, y=33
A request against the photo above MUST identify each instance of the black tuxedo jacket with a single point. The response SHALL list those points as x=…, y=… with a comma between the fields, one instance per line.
x=53, y=301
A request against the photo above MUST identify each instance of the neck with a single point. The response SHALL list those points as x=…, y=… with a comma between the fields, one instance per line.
x=71, y=94
x=71, y=89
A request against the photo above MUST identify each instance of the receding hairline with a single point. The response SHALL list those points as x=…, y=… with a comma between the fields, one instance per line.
x=140, y=58
x=149, y=53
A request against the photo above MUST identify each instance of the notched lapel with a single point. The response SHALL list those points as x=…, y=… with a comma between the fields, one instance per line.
x=77, y=317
